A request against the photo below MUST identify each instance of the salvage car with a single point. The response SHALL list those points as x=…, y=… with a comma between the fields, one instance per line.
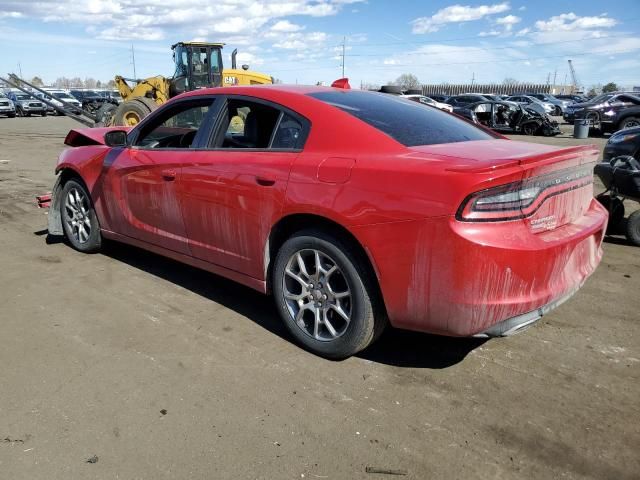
x=615, y=113
x=6, y=106
x=27, y=105
x=509, y=117
x=354, y=209
x=533, y=103
x=465, y=99
x=559, y=104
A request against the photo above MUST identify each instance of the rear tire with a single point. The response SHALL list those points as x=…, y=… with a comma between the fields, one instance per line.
x=79, y=220
x=633, y=228
x=530, y=128
x=332, y=310
x=615, y=207
x=630, y=122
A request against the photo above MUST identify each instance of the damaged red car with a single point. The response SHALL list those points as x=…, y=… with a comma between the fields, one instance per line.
x=353, y=209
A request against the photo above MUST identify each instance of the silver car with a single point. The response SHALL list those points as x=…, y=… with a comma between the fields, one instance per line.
x=560, y=105
x=27, y=105
x=532, y=102
x=6, y=106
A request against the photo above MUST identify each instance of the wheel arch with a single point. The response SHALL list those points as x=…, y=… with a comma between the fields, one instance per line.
x=54, y=220
x=288, y=225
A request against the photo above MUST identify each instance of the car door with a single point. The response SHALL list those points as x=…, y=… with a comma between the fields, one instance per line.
x=233, y=192
x=142, y=184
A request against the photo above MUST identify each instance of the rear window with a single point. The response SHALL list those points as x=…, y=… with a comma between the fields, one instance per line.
x=407, y=122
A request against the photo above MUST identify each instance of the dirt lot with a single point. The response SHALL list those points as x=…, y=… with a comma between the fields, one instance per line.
x=166, y=372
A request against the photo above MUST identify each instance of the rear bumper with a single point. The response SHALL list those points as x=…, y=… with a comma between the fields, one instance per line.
x=462, y=279
x=519, y=323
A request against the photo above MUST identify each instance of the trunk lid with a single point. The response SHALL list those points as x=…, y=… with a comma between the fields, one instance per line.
x=562, y=176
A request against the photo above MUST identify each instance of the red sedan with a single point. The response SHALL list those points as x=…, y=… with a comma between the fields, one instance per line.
x=353, y=209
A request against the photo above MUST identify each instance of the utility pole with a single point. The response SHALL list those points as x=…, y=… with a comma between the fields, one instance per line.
x=344, y=41
x=133, y=61
x=473, y=78
x=548, y=78
x=20, y=69
x=555, y=74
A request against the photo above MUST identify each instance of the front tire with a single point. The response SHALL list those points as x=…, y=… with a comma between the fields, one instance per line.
x=79, y=219
x=326, y=295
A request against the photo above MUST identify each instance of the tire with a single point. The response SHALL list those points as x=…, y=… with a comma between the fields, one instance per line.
x=633, y=228
x=73, y=194
x=629, y=122
x=131, y=112
x=615, y=207
x=530, y=128
x=558, y=111
x=104, y=115
x=322, y=329
x=12, y=115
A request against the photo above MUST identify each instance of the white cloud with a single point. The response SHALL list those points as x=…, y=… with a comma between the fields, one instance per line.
x=158, y=19
x=456, y=14
x=508, y=21
x=491, y=33
x=571, y=21
x=523, y=32
x=286, y=26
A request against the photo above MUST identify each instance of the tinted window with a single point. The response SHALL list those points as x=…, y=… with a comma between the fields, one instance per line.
x=288, y=134
x=247, y=125
x=406, y=122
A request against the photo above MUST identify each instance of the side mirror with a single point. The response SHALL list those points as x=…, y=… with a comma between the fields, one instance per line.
x=115, y=138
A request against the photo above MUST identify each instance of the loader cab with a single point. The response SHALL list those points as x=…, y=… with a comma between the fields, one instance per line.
x=198, y=65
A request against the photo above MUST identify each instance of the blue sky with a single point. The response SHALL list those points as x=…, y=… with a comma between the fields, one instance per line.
x=301, y=40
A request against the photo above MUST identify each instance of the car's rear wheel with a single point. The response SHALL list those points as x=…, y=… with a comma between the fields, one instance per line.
x=633, y=228
x=325, y=296
x=630, y=122
x=530, y=128
x=79, y=219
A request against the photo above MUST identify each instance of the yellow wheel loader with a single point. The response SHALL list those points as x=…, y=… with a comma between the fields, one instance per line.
x=198, y=65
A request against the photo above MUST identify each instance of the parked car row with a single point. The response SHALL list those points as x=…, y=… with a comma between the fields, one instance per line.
x=14, y=102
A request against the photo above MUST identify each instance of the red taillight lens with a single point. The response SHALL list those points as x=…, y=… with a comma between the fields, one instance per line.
x=521, y=199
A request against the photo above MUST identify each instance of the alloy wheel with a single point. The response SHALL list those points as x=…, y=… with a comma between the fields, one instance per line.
x=317, y=295
x=78, y=219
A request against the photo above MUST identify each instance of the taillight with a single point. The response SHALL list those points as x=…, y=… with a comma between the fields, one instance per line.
x=521, y=199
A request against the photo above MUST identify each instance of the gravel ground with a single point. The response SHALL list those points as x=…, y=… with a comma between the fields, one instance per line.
x=128, y=365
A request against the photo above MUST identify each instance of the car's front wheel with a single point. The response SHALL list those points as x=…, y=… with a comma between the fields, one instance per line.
x=79, y=219
x=326, y=295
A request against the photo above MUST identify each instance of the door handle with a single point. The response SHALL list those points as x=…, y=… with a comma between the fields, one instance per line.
x=265, y=181
x=168, y=175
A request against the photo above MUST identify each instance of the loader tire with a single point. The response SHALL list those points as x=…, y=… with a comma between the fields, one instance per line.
x=131, y=112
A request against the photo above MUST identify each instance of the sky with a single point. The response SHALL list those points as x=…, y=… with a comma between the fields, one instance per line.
x=302, y=41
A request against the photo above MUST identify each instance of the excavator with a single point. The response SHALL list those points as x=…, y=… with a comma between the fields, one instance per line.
x=197, y=65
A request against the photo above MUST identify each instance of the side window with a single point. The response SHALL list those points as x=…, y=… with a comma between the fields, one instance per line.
x=288, y=134
x=247, y=125
x=175, y=129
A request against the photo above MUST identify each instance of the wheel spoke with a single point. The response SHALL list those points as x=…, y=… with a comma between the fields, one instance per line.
x=301, y=265
x=338, y=309
x=316, y=325
x=294, y=296
x=297, y=278
x=328, y=325
x=339, y=295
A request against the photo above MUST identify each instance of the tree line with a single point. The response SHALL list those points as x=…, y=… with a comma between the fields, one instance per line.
x=75, y=82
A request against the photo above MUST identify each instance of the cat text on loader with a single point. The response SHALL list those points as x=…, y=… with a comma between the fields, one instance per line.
x=197, y=65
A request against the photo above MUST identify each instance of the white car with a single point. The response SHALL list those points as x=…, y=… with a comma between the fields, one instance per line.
x=58, y=96
x=6, y=106
x=429, y=101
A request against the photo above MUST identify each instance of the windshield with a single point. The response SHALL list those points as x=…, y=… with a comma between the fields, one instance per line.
x=62, y=95
x=405, y=121
x=22, y=97
x=601, y=98
x=115, y=94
